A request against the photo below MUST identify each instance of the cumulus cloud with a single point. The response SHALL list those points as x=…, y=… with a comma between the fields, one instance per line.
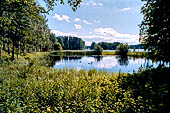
x=61, y=17
x=78, y=26
x=125, y=9
x=77, y=19
x=106, y=31
x=86, y=22
x=112, y=32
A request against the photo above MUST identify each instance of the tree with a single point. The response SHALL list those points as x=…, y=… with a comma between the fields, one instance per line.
x=109, y=46
x=57, y=46
x=154, y=29
x=98, y=50
x=122, y=49
x=93, y=45
x=71, y=43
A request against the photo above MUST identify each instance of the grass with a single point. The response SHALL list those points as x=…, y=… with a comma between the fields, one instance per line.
x=108, y=53
x=137, y=54
x=27, y=85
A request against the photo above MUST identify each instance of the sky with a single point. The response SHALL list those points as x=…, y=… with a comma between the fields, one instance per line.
x=98, y=21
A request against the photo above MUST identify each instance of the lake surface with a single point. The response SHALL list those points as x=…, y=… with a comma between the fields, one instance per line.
x=103, y=63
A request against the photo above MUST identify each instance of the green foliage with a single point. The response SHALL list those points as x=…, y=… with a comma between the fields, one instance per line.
x=122, y=49
x=23, y=25
x=57, y=46
x=71, y=43
x=151, y=85
x=109, y=46
x=28, y=86
x=139, y=46
x=138, y=54
x=98, y=50
x=93, y=45
x=53, y=37
x=154, y=29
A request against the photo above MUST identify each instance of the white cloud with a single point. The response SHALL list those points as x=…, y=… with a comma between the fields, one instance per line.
x=59, y=33
x=96, y=21
x=100, y=4
x=125, y=9
x=106, y=31
x=61, y=17
x=77, y=19
x=78, y=26
x=86, y=22
x=120, y=37
x=112, y=32
x=92, y=3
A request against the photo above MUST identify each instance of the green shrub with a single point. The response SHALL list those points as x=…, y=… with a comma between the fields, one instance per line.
x=57, y=46
x=122, y=49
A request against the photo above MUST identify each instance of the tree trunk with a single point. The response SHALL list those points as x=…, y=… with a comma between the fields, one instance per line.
x=13, y=47
x=8, y=48
x=0, y=51
x=18, y=51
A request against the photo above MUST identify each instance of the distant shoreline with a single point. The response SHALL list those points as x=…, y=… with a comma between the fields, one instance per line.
x=91, y=52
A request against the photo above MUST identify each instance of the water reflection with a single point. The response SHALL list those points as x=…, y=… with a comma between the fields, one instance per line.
x=122, y=60
x=55, y=59
x=98, y=58
x=107, y=63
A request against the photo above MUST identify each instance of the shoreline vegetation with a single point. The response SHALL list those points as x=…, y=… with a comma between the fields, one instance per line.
x=87, y=52
x=29, y=85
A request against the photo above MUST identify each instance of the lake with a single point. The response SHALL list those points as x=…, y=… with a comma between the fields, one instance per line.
x=103, y=63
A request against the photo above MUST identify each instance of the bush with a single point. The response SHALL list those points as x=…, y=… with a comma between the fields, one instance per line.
x=57, y=46
x=122, y=49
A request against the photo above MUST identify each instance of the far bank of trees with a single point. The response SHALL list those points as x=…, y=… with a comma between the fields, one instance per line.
x=71, y=43
x=113, y=46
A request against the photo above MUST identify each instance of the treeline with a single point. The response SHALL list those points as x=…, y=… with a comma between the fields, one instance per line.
x=105, y=45
x=71, y=43
x=113, y=46
x=139, y=46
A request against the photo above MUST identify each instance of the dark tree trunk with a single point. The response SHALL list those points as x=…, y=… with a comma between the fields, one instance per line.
x=0, y=51
x=18, y=51
x=13, y=47
x=8, y=48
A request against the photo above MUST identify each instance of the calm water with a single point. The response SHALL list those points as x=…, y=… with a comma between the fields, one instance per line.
x=107, y=63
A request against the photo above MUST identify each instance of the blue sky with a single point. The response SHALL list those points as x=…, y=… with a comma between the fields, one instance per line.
x=98, y=20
